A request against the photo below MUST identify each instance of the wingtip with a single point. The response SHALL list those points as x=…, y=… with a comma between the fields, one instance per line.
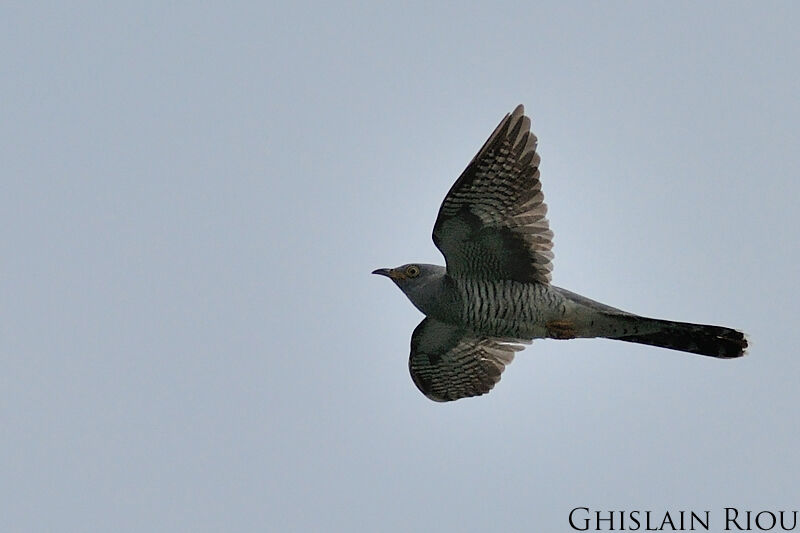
x=519, y=131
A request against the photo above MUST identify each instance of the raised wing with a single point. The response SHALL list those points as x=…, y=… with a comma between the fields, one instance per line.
x=448, y=363
x=492, y=224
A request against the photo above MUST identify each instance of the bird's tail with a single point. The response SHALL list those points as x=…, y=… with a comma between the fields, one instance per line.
x=713, y=341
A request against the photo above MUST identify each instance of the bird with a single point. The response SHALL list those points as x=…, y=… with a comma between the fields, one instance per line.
x=494, y=295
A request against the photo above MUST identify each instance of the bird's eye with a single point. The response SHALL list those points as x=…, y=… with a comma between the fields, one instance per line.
x=412, y=271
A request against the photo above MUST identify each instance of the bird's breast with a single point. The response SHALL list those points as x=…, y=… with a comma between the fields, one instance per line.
x=508, y=308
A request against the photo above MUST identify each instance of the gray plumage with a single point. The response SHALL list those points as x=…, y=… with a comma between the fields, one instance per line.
x=495, y=295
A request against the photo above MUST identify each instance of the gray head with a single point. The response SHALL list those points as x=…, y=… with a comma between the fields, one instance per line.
x=420, y=282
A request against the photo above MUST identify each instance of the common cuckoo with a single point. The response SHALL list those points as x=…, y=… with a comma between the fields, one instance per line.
x=495, y=295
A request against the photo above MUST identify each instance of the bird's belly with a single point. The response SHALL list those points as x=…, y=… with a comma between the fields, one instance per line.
x=508, y=308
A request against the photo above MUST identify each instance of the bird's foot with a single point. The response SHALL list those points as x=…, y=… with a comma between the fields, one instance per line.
x=560, y=329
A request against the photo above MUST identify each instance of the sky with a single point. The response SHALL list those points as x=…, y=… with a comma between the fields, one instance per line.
x=193, y=197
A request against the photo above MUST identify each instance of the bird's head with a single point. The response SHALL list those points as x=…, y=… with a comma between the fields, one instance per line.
x=415, y=280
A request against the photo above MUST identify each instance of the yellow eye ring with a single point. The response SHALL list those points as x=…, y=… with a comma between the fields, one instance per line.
x=412, y=271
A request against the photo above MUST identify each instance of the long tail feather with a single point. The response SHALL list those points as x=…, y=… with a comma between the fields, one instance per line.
x=713, y=341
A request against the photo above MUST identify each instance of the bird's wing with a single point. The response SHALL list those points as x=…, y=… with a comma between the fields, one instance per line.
x=448, y=363
x=492, y=224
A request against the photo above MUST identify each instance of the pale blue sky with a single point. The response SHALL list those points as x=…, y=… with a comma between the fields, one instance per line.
x=193, y=197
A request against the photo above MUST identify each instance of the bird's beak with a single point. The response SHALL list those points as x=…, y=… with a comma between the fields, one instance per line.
x=388, y=272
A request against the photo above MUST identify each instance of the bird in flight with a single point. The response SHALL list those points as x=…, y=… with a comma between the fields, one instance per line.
x=495, y=295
